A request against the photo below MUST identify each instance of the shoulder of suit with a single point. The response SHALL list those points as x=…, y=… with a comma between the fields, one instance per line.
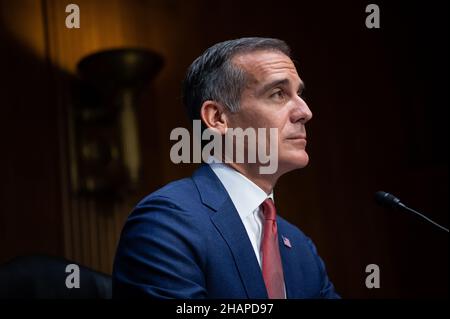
x=180, y=197
x=175, y=191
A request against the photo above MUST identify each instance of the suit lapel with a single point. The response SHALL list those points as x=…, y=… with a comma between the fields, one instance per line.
x=291, y=274
x=229, y=224
x=227, y=221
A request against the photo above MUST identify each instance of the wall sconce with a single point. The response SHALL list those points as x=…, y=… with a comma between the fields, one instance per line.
x=105, y=149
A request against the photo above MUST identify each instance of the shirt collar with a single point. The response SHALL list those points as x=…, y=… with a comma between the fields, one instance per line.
x=245, y=195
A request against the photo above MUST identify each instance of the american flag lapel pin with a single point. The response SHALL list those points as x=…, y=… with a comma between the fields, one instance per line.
x=286, y=242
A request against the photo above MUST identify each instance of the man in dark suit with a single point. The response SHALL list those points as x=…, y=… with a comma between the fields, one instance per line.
x=217, y=234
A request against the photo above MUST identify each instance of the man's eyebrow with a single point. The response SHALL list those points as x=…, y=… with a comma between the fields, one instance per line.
x=282, y=82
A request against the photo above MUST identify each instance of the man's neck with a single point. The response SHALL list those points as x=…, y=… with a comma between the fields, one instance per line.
x=264, y=181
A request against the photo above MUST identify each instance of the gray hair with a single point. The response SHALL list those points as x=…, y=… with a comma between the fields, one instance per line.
x=213, y=76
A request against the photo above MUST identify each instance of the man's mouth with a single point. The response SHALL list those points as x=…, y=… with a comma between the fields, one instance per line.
x=297, y=137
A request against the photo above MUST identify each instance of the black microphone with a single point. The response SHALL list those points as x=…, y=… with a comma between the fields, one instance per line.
x=389, y=200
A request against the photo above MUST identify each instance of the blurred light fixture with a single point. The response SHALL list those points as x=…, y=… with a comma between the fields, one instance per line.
x=105, y=149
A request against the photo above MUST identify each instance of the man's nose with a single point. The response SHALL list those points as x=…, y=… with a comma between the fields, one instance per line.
x=301, y=111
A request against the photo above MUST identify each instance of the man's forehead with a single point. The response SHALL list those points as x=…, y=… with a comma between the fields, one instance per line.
x=264, y=65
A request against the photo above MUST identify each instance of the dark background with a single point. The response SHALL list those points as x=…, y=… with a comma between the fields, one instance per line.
x=379, y=98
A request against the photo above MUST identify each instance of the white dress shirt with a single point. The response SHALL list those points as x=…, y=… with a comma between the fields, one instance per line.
x=247, y=197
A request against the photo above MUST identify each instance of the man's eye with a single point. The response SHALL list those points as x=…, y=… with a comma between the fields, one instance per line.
x=278, y=94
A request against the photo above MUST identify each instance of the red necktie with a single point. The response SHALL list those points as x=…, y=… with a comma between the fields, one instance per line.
x=271, y=261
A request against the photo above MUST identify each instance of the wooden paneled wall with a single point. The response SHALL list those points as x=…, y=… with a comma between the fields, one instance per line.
x=88, y=228
x=91, y=227
x=30, y=219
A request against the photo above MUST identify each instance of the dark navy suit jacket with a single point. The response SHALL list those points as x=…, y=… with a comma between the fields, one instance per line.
x=186, y=240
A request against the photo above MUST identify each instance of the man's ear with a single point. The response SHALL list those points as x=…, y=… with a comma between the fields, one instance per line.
x=214, y=116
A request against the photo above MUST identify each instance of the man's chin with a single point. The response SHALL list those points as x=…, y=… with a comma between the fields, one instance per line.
x=302, y=163
x=295, y=162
